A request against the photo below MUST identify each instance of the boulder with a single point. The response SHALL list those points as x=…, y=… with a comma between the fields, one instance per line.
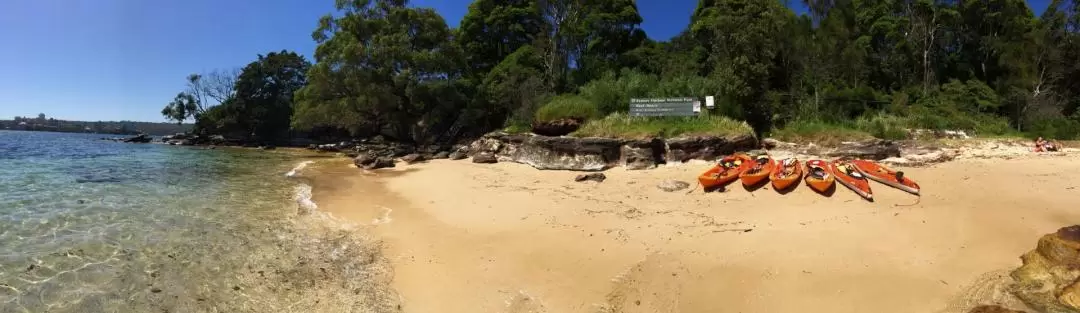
x=596, y=177
x=875, y=149
x=441, y=155
x=364, y=159
x=707, y=148
x=485, y=158
x=672, y=185
x=457, y=155
x=1049, y=280
x=559, y=127
x=382, y=162
x=413, y=158
x=141, y=138
x=562, y=153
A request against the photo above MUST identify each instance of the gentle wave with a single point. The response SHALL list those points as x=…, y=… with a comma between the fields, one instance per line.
x=299, y=167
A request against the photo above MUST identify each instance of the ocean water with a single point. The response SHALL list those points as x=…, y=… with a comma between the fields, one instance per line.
x=88, y=225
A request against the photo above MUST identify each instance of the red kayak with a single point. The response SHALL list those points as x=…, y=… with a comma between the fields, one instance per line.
x=848, y=175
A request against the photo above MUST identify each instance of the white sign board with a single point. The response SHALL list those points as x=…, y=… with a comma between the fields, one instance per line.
x=697, y=106
x=710, y=102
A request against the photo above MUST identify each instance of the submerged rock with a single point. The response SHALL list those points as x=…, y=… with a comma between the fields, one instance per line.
x=1049, y=280
x=364, y=159
x=382, y=162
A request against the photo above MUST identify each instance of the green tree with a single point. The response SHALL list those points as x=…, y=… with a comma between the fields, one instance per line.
x=381, y=66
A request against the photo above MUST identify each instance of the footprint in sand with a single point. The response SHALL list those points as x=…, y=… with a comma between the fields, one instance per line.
x=649, y=286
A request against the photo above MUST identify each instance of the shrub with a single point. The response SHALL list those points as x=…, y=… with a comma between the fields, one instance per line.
x=567, y=106
x=621, y=125
x=817, y=131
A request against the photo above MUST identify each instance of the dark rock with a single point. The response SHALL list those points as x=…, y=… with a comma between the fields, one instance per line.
x=559, y=127
x=1049, y=280
x=413, y=158
x=441, y=155
x=485, y=158
x=458, y=155
x=382, y=162
x=673, y=185
x=875, y=149
x=364, y=159
x=267, y=147
x=141, y=138
x=312, y=146
x=596, y=177
x=992, y=309
x=707, y=148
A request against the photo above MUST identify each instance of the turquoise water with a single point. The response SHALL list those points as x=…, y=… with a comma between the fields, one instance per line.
x=96, y=226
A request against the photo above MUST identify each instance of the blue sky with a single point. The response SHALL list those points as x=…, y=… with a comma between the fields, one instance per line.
x=125, y=59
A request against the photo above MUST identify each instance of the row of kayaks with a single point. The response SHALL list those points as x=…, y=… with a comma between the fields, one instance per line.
x=819, y=175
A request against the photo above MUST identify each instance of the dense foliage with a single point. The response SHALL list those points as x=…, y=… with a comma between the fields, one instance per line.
x=849, y=68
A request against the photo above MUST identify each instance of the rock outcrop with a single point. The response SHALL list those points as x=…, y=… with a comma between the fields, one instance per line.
x=557, y=127
x=992, y=309
x=1049, y=280
x=596, y=154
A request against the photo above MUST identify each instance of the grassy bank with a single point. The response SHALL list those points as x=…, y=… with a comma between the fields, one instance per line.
x=621, y=125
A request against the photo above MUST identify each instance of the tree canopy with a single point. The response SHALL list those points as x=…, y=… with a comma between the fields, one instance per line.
x=875, y=66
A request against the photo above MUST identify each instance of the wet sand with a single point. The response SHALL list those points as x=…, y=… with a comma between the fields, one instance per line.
x=505, y=237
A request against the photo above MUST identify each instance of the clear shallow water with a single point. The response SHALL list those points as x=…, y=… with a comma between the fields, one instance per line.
x=98, y=226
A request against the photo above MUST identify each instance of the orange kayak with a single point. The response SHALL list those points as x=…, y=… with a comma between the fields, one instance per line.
x=786, y=173
x=726, y=171
x=758, y=171
x=886, y=175
x=819, y=175
x=850, y=177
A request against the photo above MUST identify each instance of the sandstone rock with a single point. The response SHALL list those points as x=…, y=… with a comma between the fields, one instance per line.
x=562, y=153
x=769, y=143
x=707, y=148
x=672, y=185
x=382, y=162
x=458, y=155
x=557, y=127
x=597, y=177
x=413, y=158
x=485, y=158
x=441, y=155
x=364, y=159
x=1049, y=280
x=639, y=155
x=992, y=309
x=870, y=149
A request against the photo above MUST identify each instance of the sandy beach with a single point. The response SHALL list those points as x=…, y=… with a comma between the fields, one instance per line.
x=465, y=237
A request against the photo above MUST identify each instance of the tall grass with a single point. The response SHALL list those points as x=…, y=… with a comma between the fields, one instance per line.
x=621, y=125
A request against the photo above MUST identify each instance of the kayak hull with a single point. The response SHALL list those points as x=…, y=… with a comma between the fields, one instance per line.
x=720, y=175
x=781, y=181
x=759, y=176
x=846, y=173
x=886, y=176
x=822, y=185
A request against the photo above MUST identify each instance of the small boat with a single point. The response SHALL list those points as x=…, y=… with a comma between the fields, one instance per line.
x=886, y=175
x=758, y=172
x=850, y=177
x=786, y=173
x=724, y=172
x=819, y=175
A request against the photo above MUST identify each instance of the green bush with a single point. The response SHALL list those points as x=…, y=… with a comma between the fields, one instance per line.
x=621, y=125
x=567, y=106
x=884, y=126
x=612, y=93
x=1060, y=128
x=819, y=132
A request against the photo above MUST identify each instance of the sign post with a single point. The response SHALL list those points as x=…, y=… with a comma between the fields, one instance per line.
x=664, y=107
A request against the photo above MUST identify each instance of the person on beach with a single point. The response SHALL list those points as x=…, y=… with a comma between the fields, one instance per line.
x=1042, y=145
